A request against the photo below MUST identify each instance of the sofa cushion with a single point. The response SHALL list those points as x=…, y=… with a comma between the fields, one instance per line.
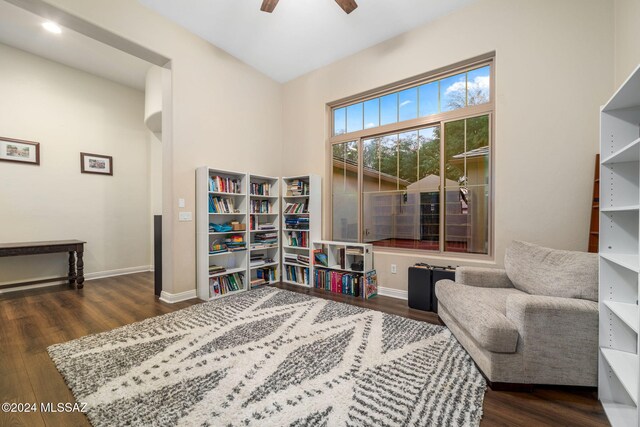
x=538, y=270
x=481, y=312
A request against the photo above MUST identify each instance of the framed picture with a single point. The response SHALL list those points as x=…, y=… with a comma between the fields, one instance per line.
x=17, y=150
x=96, y=163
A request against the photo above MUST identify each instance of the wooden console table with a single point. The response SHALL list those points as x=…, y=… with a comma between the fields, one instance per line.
x=75, y=248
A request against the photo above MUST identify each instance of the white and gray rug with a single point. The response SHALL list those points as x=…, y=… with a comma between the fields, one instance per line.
x=271, y=357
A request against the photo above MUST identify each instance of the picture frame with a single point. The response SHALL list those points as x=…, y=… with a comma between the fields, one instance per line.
x=19, y=151
x=96, y=163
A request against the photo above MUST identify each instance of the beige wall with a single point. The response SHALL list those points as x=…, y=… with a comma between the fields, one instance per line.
x=627, y=38
x=224, y=114
x=554, y=68
x=68, y=112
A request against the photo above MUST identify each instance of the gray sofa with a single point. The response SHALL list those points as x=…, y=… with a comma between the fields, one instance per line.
x=535, y=322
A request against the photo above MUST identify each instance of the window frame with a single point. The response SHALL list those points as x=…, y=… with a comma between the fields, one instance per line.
x=438, y=119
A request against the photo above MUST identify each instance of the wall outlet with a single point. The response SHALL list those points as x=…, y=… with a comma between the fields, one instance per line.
x=185, y=216
x=394, y=269
x=181, y=203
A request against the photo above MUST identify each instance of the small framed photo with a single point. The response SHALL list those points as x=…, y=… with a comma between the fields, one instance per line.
x=96, y=163
x=17, y=150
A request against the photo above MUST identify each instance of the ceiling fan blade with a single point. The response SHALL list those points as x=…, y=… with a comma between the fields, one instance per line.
x=347, y=5
x=268, y=5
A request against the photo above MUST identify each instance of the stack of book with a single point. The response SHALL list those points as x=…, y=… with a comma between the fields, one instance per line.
x=297, y=239
x=298, y=188
x=217, y=247
x=267, y=226
x=303, y=259
x=260, y=189
x=220, y=184
x=219, y=204
x=297, y=208
x=235, y=243
x=258, y=281
x=257, y=259
x=297, y=223
x=265, y=239
x=292, y=258
x=216, y=269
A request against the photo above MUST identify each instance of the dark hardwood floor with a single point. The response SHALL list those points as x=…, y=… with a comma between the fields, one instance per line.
x=32, y=320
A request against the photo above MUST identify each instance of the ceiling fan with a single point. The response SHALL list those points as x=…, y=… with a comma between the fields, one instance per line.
x=347, y=5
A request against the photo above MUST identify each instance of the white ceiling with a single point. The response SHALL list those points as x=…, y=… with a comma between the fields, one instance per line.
x=23, y=30
x=300, y=35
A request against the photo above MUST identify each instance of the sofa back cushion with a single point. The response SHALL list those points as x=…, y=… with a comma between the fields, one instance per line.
x=538, y=270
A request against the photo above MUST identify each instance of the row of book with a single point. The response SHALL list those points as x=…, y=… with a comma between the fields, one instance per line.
x=298, y=239
x=335, y=281
x=225, y=185
x=264, y=276
x=297, y=274
x=298, y=187
x=219, y=204
x=260, y=206
x=221, y=285
x=291, y=208
x=297, y=222
x=358, y=285
x=261, y=189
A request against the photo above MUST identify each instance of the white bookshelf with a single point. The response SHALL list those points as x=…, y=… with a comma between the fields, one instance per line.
x=619, y=366
x=264, y=220
x=345, y=258
x=297, y=241
x=235, y=262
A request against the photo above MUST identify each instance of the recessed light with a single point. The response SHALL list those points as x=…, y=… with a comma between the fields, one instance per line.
x=52, y=27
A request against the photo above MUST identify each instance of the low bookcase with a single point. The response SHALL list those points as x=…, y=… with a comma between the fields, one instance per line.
x=344, y=268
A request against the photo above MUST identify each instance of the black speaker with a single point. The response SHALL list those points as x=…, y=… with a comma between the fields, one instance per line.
x=422, y=285
x=419, y=288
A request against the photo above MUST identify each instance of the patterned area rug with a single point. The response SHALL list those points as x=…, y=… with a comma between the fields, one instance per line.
x=271, y=357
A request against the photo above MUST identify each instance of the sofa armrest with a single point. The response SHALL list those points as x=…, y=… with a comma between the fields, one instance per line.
x=558, y=338
x=483, y=277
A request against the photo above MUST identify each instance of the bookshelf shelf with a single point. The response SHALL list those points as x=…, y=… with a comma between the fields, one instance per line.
x=628, y=313
x=344, y=268
x=619, y=249
x=300, y=193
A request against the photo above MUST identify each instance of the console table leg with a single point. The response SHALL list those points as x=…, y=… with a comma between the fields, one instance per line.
x=80, y=279
x=72, y=268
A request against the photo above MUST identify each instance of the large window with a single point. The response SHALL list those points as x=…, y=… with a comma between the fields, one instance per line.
x=412, y=167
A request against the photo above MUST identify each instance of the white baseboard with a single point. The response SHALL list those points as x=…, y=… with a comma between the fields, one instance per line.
x=393, y=293
x=181, y=296
x=88, y=276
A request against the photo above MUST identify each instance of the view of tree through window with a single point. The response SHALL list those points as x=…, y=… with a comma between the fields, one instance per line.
x=425, y=187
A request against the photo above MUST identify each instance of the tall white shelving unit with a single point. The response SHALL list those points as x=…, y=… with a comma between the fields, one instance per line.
x=618, y=365
x=296, y=241
x=264, y=221
x=235, y=262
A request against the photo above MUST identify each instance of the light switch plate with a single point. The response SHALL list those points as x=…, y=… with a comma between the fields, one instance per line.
x=181, y=203
x=185, y=216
